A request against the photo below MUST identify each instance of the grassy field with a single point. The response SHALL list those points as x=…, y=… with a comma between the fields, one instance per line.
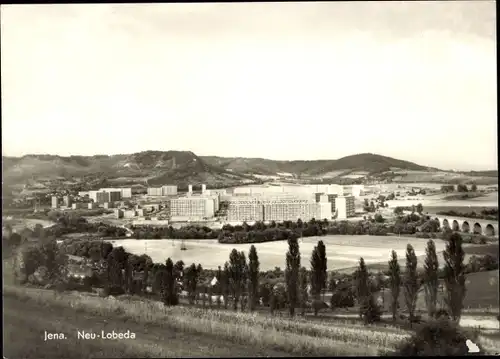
x=342, y=251
x=469, y=249
x=161, y=330
x=481, y=297
x=24, y=324
x=482, y=249
x=436, y=201
x=297, y=336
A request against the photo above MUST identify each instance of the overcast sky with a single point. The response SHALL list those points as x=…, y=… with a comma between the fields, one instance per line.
x=411, y=80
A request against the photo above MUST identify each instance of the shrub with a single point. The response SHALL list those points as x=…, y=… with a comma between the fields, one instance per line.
x=442, y=314
x=342, y=298
x=423, y=235
x=440, y=337
x=370, y=311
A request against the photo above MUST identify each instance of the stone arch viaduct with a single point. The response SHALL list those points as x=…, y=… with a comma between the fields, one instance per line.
x=471, y=225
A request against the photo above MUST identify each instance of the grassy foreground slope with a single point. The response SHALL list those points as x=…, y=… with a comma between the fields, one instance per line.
x=23, y=323
x=250, y=334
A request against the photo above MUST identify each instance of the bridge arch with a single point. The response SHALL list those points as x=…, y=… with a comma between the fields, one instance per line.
x=490, y=230
x=465, y=227
x=477, y=228
x=446, y=224
x=455, y=226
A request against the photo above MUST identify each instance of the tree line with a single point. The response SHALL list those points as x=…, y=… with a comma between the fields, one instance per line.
x=458, y=188
x=488, y=214
x=259, y=232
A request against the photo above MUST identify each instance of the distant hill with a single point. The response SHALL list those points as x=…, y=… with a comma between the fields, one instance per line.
x=361, y=162
x=151, y=168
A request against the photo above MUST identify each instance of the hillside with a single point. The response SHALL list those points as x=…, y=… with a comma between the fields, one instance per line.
x=147, y=168
x=151, y=168
x=369, y=162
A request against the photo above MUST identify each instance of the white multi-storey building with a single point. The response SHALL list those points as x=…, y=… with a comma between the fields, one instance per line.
x=169, y=190
x=345, y=207
x=124, y=192
x=55, y=202
x=277, y=208
x=155, y=191
x=192, y=208
x=245, y=209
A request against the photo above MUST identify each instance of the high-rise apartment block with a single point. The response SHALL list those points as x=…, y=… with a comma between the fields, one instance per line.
x=102, y=197
x=124, y=192
x=169, y=190
x=192, y=207
x=321, y=197
x=155, y=191
x=55, y=202
x=245, y=209
x=118, y=213
x=115, y=196
x=67, y=201
x=345, y=206
x=277, y=208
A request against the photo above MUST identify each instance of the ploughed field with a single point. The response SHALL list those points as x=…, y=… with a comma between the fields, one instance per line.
x=343, y=251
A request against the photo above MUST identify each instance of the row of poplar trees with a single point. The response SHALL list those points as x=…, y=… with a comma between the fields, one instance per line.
x=411, y=281
x=239, y=280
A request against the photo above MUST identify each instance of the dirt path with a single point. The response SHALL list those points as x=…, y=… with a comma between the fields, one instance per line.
x=25, y=324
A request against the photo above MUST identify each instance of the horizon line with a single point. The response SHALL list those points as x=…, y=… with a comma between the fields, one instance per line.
x=247, y=157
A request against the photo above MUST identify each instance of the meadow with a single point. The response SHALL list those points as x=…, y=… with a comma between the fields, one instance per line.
x=297, y=336
x=343, y=251
x=481, y=298
x=436, y=201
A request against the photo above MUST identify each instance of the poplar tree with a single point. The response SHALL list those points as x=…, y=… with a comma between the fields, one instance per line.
x=199, y=270
x=292, y=273
x=168, y=291
x=431, y=279
x=191, y=281
x=145, y=274
x=362, y=286
x=129, y=275
x=253, y=273
x=303, y=289
x=226, y=284
x=244, y=281
x=219, y=286
x=323, y=266
x=235, y=275
x=316, y=278
x=410, y=282
x=454, y=276
x=394, y=282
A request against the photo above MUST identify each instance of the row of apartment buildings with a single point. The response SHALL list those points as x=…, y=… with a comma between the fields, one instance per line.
x=263, y=208
x=287, y=207
x=104, y=196
x=67, y=203
x=172, y=190
x=351, y=190
x=167, y=190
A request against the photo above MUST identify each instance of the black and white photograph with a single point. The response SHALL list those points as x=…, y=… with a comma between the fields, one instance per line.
x=249, y=179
